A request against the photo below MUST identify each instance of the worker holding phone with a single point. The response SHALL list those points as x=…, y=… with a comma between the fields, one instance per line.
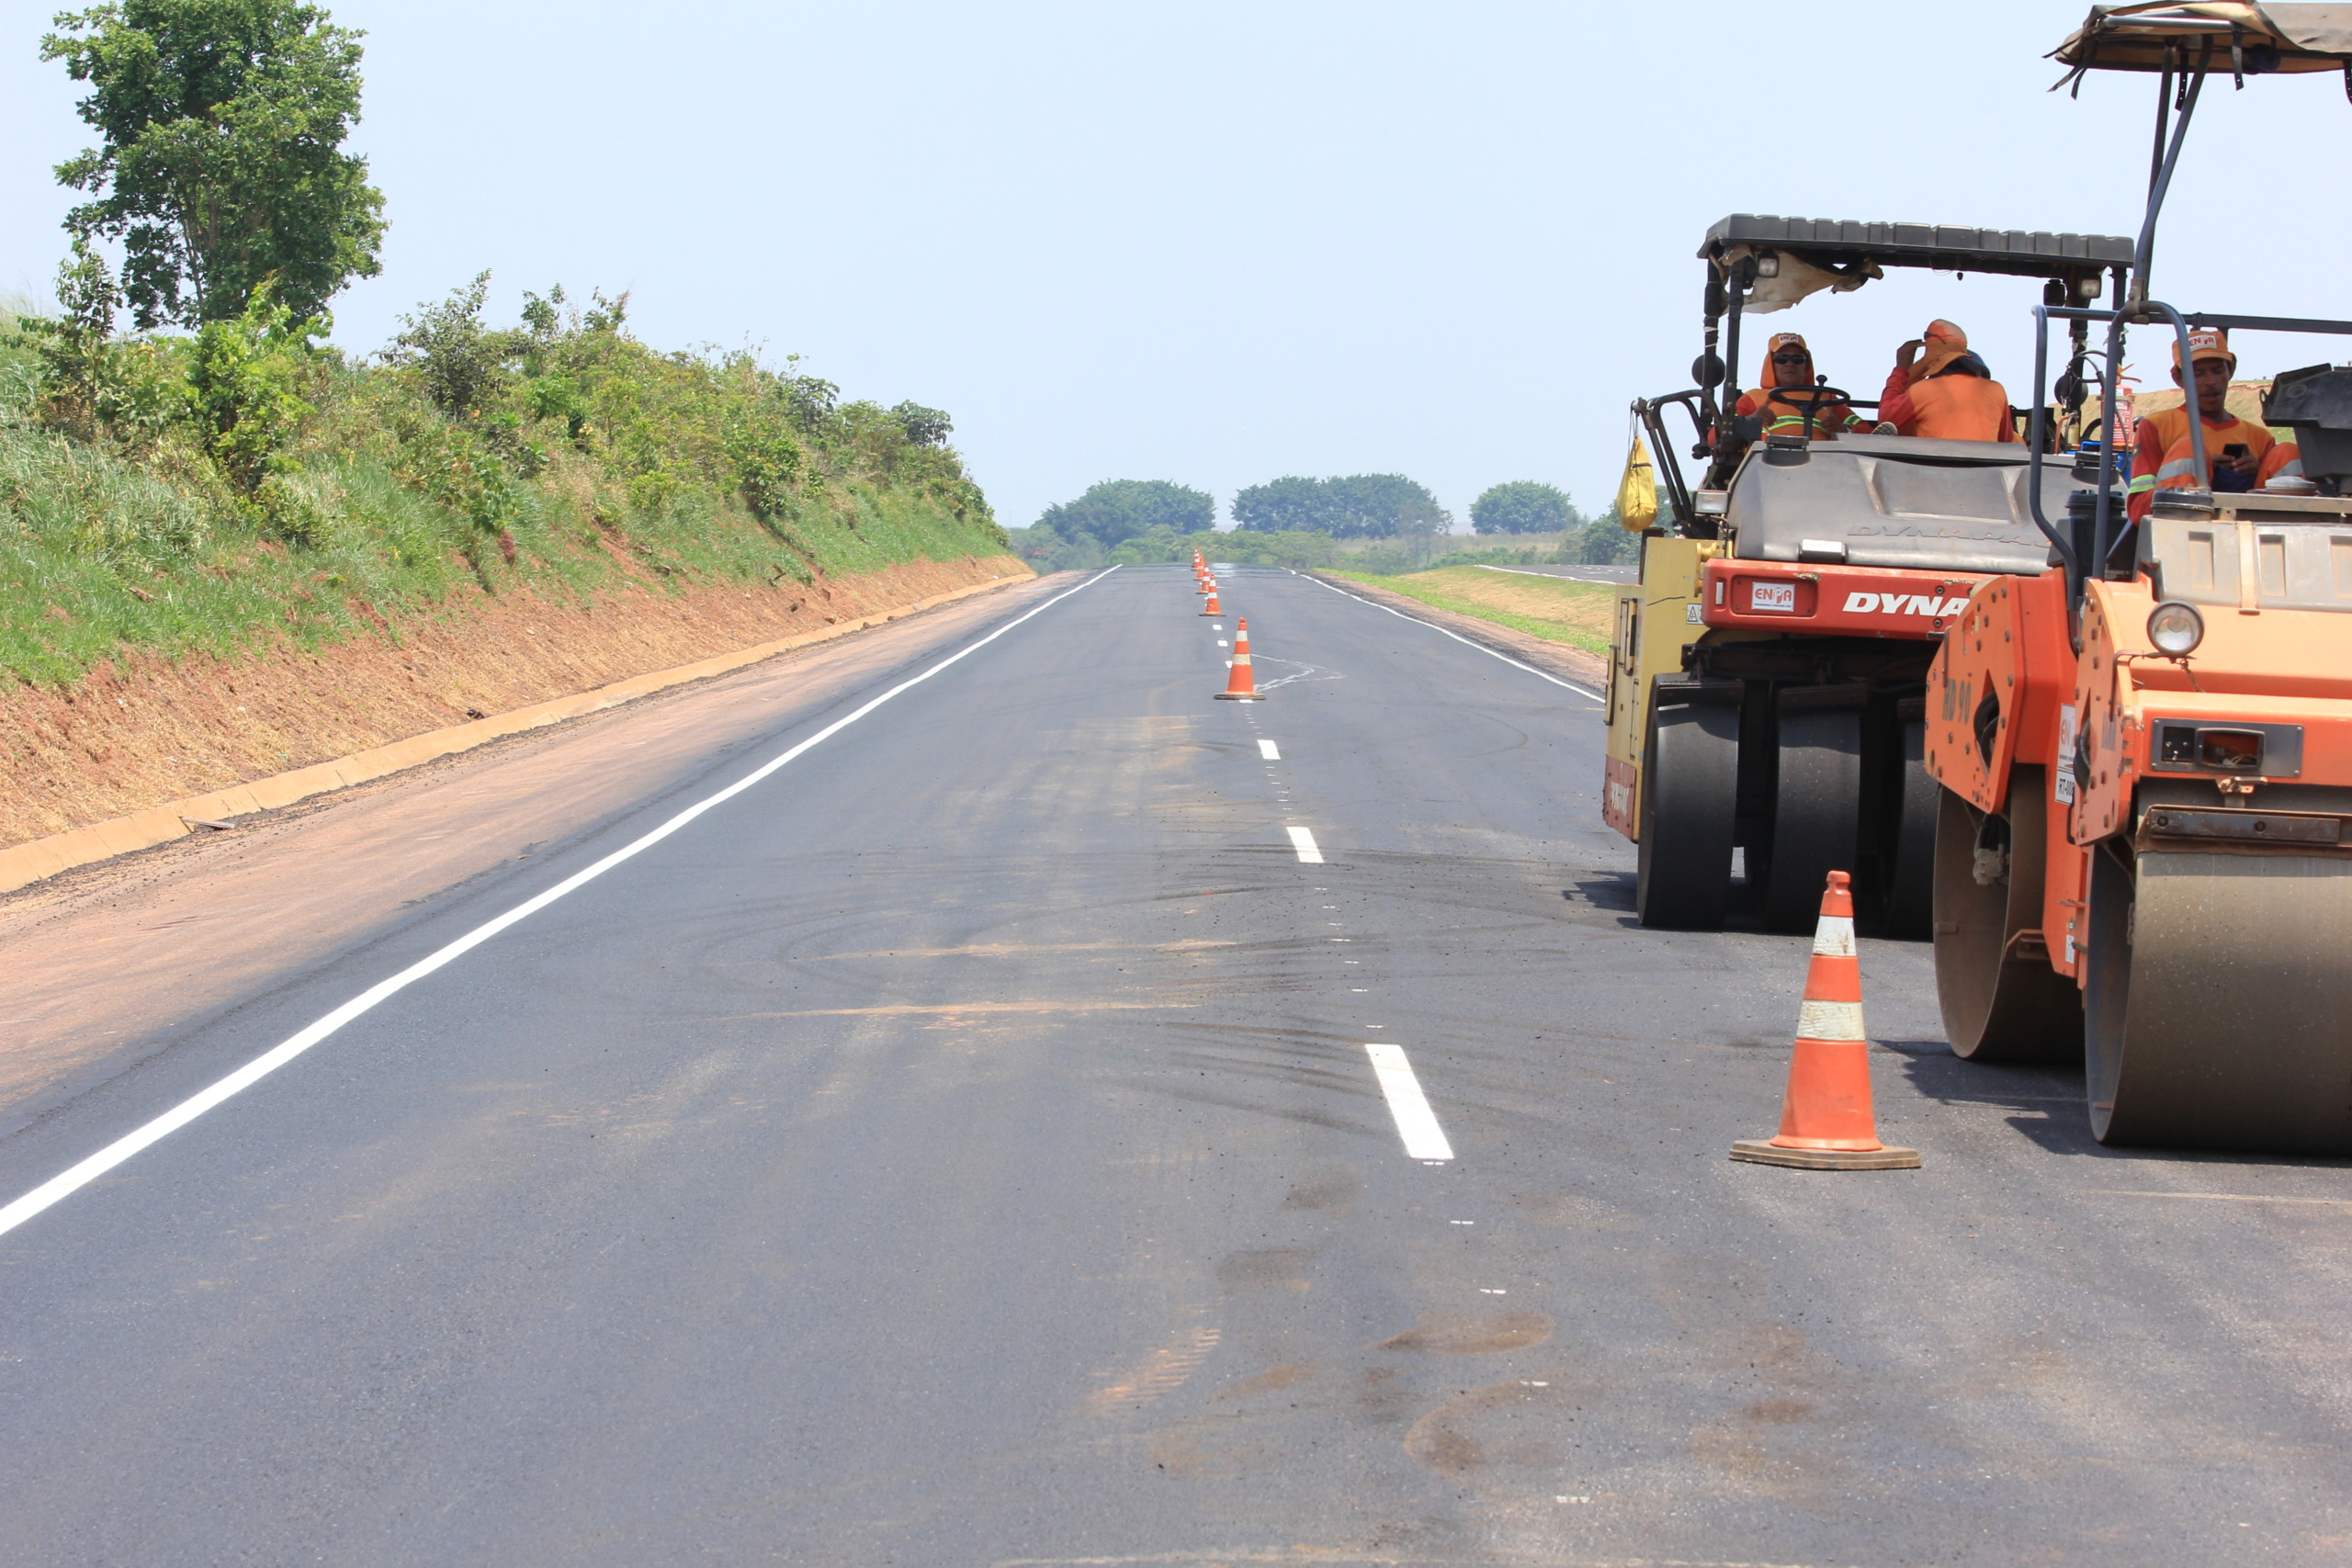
x=2237, y=448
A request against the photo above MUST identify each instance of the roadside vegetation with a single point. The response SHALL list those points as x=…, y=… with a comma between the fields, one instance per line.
x=218, y=477
x=1557, y=609
x=216, y=491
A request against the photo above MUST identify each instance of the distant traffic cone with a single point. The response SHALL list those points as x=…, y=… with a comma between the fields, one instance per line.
x=1241, y=686
x=1210, y=608
x=1207, y=583
x=1826, y=1118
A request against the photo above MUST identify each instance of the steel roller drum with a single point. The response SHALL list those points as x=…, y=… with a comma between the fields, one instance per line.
x=2219, y=1002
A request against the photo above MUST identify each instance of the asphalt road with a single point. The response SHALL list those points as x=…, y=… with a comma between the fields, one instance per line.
x=1616, y=574
x=962, y=1146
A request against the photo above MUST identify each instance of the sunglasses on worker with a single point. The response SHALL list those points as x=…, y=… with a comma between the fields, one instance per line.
x=1792, y=357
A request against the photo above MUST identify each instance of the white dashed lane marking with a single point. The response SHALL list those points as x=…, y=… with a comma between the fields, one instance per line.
x=1266, y=749
x=1303, y=841
x=1416, y=1123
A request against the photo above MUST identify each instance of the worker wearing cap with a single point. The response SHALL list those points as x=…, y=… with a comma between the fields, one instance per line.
x=1939, y=389
x=1789, y=364
x=2166, y=458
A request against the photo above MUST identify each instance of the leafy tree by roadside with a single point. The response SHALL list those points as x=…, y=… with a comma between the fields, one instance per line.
x=1350, y=506
x=1602, y=542
x=1117, y=509
x=1523, y=506
x=219, y=166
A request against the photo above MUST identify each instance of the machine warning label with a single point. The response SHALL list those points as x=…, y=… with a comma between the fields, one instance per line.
x=1781, y=596
x=2061, y=777
x=1901, y=604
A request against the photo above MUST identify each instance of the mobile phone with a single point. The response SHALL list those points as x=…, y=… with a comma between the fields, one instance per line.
x=2234, y=449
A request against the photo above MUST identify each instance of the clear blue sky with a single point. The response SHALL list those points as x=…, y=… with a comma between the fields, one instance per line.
x=1219, y=243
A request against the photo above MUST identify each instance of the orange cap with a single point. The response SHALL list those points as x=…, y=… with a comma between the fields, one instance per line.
x=1941, y=330
x=2204, y=343
x=1781, y=340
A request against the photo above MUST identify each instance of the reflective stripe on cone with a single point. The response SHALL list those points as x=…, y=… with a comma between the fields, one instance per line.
x=1826, y=1118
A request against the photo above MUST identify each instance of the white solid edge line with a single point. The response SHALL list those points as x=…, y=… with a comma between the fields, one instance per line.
x=1507, y=658
x=1554, y=576
x=67, y=1182
x=1416, y=1123
x=1266, y=748
x=1303, y=840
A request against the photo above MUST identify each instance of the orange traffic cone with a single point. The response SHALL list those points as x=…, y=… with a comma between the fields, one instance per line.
x=1207, y=583
x=1210, y=608
x=1826, y=1119
x=1241, y=686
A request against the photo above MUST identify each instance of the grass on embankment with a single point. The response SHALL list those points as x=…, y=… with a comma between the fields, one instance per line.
x=1557, y=609
x=222, y=495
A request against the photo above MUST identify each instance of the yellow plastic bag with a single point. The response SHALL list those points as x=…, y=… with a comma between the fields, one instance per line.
x=1638, y=491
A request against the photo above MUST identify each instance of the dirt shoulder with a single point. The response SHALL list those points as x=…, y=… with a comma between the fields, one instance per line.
x=1556, y=658
x=107, y=962
x=134, y=735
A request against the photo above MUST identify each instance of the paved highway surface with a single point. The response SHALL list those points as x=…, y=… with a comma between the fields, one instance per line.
x=993, y=1137
x=1619, y=575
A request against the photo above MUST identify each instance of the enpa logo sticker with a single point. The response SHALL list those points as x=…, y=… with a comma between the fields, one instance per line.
x=1903, y=604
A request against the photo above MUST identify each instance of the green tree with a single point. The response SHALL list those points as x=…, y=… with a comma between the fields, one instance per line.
x=1346, y=507
x=220, y=166
x=1523, y=506
x=1384, y=505
x=1290, y=505
x=1602, y=542
x=923, y=427
x=1117, y=509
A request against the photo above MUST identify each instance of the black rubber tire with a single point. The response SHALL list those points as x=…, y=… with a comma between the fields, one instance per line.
x=1689, y=790
x=2216, y=995
x=1817, y=812
x=1999, y=1005
x=1911, y=866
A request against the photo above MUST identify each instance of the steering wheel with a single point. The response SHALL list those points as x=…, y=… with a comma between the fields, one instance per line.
x=1813, y=399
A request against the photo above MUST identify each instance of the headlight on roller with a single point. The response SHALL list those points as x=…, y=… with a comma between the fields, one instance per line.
x=2175, y=629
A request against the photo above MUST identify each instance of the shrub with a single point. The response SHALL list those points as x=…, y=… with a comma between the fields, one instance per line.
x=251, y=379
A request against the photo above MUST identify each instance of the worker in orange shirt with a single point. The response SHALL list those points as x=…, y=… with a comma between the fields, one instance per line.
x=2237, y=449
x=1788, y=364
x=1939, y=389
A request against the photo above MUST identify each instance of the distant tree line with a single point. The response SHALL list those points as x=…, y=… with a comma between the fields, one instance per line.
x=1298, y=521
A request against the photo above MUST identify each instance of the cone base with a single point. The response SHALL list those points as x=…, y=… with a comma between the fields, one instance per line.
x=1239, y=698
x=1760, y=1151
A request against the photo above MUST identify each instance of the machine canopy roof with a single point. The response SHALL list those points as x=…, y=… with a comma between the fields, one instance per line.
x=1841, y=247
x=2266, y=36
x=1814, y=254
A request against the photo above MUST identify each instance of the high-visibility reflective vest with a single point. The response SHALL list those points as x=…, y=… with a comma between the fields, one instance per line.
x=1784, y=418
x=2286, y=457
x=2166, y=460
x=2179, y=469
